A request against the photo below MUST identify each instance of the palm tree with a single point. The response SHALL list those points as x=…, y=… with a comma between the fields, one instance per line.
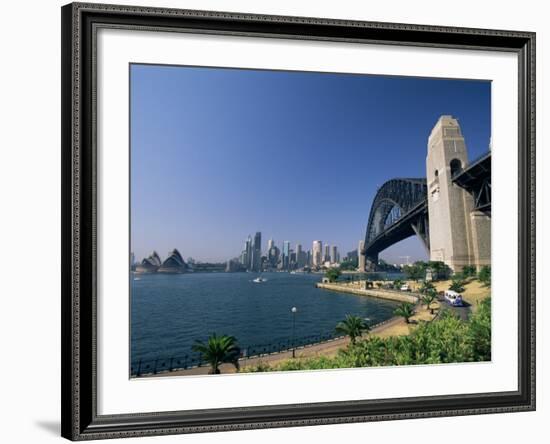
x=426, y=287
x=218, y=350
x=405, y=310
x=427, y=299
x=352, y=326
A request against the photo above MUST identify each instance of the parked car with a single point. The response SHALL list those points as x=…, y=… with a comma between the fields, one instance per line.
x=405, y=287
x=453, y=298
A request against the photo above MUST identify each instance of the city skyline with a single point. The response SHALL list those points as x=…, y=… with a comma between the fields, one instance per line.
x=204, y=172
x=329, y=253
x=269, y=243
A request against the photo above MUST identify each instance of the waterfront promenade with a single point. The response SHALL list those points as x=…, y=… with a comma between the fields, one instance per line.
x=359, y=288
x=395, y=326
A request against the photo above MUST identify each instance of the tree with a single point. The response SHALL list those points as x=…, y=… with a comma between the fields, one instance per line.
x=440, y=270
x=415, y=271
x=218, y=350
x=352, y=326
x=457, y=285
x=468, y=271
x=405, y=310
x=332, y=274
x=428, y=299
x=397, y=284
x=427, y=287
x=484, y=275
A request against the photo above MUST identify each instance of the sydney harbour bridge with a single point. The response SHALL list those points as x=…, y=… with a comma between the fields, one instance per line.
x=449, y=210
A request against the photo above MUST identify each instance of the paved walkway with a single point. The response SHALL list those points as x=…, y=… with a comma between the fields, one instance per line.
x=328, y=348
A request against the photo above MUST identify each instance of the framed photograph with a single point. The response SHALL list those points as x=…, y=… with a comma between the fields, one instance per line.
x=279, y=221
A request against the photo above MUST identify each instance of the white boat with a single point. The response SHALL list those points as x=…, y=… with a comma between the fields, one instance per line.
x=259, y=280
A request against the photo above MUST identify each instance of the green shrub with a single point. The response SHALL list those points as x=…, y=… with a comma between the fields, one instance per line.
x=484, y=275
x=445, y=340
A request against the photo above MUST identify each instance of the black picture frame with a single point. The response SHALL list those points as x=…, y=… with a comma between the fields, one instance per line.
x=80, y=420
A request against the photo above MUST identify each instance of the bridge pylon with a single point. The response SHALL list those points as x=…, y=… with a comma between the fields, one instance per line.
x=458, y=234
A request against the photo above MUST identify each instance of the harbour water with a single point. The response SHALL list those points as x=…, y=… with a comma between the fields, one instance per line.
x=170, y=312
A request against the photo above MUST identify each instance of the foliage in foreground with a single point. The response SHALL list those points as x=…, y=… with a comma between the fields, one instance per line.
x=218, y=350
x=445, y=340
x=352, y=326
x=405, y=310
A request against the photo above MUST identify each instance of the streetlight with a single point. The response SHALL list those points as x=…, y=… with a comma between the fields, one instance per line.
x=293, y=310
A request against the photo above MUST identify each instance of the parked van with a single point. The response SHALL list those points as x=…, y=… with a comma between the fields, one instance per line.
x=453, y=298
x=405, y=287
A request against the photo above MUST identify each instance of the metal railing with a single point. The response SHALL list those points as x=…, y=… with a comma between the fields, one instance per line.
x=141, y=367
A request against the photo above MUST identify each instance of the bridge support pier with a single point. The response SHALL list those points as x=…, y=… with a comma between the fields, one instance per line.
x=371, y=262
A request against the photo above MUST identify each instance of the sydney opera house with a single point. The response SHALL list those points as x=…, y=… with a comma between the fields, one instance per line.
x=174, y=263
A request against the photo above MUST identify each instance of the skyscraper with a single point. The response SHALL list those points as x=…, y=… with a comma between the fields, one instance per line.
x=257, y=252
x=270, y=244
x=273, y=256
x=286, y=254
x=334, y=254
x=317, y=253
x=300, y=256
x=246, y=258
x=326, y=257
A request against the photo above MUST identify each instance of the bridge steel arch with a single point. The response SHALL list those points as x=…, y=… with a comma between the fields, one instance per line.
x=409, y=196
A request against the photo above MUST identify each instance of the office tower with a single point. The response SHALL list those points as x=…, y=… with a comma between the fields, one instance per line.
x=273, y=256
x=286, y=255
x=326, y=257
x=243, y=258
x=293, y=259
x=317, y=253
x=270, y=244
x=361, y=255
x=334, y=254
x=300, y=256
x=257, y=252
x=248, y=247
x=351, y=255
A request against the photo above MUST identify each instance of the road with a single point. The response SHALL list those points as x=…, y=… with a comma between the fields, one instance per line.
x=462, y=312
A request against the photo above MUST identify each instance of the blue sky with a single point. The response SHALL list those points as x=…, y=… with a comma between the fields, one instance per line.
x=217, y=154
